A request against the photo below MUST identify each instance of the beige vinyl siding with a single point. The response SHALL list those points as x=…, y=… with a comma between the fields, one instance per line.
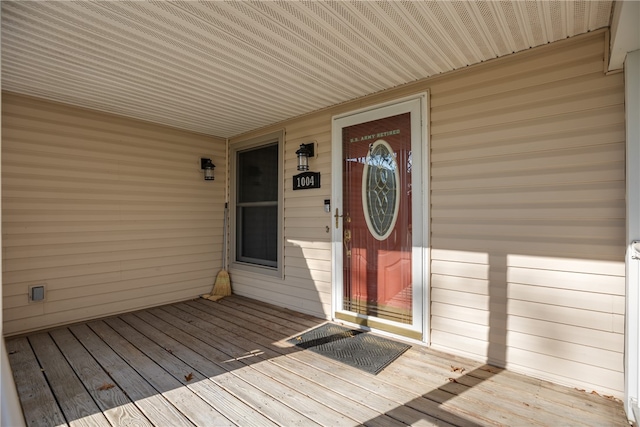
x=528, y=216
x=307, y=244
x=110, y=214
x=527, y=220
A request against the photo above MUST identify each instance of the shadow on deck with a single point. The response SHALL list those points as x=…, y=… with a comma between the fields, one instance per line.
x=228, y=363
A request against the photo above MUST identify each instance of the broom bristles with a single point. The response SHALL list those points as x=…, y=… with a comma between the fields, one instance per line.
x=221, y=288
x=223, y=284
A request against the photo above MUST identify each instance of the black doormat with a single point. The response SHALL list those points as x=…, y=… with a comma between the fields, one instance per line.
x=355, y=348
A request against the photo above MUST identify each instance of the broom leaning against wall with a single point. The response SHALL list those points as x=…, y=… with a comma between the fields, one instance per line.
x=222, y=285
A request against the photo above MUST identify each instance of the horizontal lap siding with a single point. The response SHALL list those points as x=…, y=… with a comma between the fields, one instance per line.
x=110, y=214
x=306, y=285
x=528, y=216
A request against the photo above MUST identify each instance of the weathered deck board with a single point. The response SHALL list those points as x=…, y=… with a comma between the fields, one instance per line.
x=235, y=360
x=153, y=404
x=388, y=388
x=295, y=400
x=243, y=372
x=485, y=409
x=76, y=403
x=210, y=389
x=493, y=390
x=179, y=369
x=181, y=397
x=490, y=383
x=113, y=403
x=527, y=413
x=325, y=395
x=332, y=403
x=377, y=388
x=38, y=402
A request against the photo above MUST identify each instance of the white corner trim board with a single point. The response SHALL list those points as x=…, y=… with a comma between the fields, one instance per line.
x=632, y=327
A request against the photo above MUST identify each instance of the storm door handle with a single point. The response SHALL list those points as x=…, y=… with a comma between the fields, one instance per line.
x=346, y=240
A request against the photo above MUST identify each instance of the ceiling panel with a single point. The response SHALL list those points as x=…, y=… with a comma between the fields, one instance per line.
x=224, y=68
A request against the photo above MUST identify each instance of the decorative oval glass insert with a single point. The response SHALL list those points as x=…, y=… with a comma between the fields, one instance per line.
x=380, y=182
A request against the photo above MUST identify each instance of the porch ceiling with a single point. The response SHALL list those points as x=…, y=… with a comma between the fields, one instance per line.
x=225, y=68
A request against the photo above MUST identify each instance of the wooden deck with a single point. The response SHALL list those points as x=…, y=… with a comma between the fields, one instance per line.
x=227, y=363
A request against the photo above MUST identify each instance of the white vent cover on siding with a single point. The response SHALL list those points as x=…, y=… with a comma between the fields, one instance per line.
x=224, y=68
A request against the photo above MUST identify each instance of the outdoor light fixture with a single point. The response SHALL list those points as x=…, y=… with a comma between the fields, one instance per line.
x=305, y=151
x=208, y=167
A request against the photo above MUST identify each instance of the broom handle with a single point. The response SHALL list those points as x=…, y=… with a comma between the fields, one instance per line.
x=224, y=237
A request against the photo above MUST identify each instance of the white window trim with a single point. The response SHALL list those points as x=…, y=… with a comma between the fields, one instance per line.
x=234, y=149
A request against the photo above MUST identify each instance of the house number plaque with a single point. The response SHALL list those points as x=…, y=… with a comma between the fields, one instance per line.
x=305, y=180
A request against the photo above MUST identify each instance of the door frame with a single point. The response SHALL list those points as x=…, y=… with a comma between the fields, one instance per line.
x=421, y=254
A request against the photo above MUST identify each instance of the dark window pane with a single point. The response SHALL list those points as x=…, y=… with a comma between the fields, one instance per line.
x=259, y=233
x=258, y=175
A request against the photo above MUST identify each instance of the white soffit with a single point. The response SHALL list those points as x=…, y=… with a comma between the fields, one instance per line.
x=224, y=68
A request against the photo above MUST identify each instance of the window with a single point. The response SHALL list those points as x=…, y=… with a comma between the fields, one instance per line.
x=257, y=202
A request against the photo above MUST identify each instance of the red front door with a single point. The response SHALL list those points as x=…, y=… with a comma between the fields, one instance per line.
x=377, y=223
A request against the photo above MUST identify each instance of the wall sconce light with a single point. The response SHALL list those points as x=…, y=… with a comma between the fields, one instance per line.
x=305, y=151
x=208, y=167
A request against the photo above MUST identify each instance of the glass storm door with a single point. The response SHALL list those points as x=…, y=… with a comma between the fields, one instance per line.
x=381, y=276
